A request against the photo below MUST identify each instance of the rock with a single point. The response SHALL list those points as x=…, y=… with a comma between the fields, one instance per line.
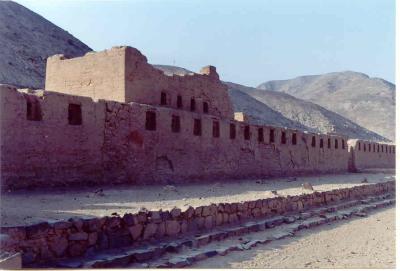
x=178, y=262
x=208, y=222
x=226, y=217
x=112, y=223
x=79, y=236
x=58, y=245
x=142, y=217
x=102, y=240
x=28, y=257
x=189, y=212
x=172, y=227
x=92, y=238
x=77, y=248
x=170, y=188
x=175, y=212
x=62, y=225
x=184, y=227
x=200, y=222
x=203, y=240
x=136, y=231
x=129, y=219
x=256, y=212
x=233, y=218
x=307, y=186
x=219, y=219
x=155, y=216
x=211, y=253
x=120, y=238
x=198, y=211
x=360, y=214
x=149, y=231
x=37, y=231
x=142, y=255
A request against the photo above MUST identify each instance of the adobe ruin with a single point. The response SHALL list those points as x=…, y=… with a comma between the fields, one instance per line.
x=111, y=117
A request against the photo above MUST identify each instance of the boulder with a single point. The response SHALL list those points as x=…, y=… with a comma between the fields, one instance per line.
x=172, y=227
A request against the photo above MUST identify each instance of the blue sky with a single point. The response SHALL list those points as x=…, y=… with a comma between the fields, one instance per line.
x=248, y=41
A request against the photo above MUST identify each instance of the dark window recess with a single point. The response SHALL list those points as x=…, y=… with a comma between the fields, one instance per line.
x=377, y=146
x=359, y=146
x=205, y=107
x=272, y=136
x=176, y=124
x=260, y=135
x=163, y=98
x=394, y=149
x=382, y=148
x=232, y=131
x=215, y=129
x=247, y=132
x=192, y=104
x=197, y=127
x=329, y=143
x=33, y=111
x=74, y=114
x=294, y=139
x=283, y=138
x=313, y=142
x=343, y=144
x=321, y=143
x=365, y=147
x=336, y=144
x=179, y=102
x=151, y=121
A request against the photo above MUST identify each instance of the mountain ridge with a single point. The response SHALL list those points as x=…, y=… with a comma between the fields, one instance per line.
x=27, y=39
x=368, y=101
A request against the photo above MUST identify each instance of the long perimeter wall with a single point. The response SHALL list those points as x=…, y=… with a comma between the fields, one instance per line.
x=130, y=142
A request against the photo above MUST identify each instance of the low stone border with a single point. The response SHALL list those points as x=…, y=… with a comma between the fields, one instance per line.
x=77, y=237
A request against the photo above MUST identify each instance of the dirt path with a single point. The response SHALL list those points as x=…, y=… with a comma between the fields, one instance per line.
x=26, y=207
x=358, y=243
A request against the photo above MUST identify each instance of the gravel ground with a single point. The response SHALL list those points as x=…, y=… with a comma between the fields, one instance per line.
x=26, y=207
x=367, y=242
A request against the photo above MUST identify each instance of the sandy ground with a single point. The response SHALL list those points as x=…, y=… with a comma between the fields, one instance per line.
x=26, y=207
x=358, y=243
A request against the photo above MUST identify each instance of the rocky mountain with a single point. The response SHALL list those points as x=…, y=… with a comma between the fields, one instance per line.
x=312, y=116
x=370, y=102
x=26, y=40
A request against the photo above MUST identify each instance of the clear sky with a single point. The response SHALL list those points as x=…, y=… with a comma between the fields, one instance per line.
x=248, y=41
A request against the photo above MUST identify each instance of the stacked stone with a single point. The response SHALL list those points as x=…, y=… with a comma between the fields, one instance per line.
x=75, y=237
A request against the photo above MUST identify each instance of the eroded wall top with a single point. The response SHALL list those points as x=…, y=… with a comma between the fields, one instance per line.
x=123, y=74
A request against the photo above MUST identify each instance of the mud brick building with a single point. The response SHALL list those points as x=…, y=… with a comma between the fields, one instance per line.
x=111, y=117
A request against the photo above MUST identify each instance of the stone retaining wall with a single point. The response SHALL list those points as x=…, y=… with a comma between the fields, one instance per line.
x=76, y=237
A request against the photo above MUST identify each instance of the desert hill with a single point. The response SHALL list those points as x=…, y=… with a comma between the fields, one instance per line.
x=26, y=40
x=370, y=102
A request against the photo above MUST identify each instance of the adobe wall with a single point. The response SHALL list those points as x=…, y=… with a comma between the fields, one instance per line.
x=365, y=154
x=122, y=74
x=49, y=151
x=161, y=156
x=112, y=145
x=99, y=75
